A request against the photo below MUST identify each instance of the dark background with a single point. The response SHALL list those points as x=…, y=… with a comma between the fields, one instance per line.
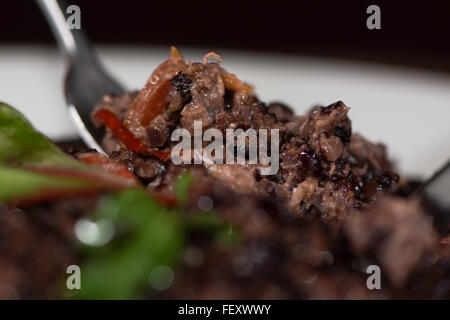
x=412, y=34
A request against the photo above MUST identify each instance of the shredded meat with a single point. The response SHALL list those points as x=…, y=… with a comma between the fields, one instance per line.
x=319, y=149
x=397, y=232
x=145, y=168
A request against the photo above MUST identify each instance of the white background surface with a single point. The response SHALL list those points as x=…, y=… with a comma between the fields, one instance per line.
x=407, y=110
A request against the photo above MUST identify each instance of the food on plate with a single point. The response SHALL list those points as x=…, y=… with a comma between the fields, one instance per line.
x=142, y=225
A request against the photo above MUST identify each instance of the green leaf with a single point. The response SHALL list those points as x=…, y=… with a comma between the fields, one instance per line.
x=147, y=235
x=182, y=187
x=121, y=268
x=31, y=166
x=16, y=182
x=21, y=144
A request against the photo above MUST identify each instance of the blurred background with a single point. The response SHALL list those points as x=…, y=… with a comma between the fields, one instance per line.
x=396, y=80
x=412, y=34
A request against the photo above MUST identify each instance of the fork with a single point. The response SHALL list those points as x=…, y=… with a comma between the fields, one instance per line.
x=86, y=80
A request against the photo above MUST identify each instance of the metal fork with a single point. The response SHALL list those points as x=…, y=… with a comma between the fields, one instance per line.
x=86, y=81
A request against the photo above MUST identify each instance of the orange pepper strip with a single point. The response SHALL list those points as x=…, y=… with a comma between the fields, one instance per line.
x=157, y=103
x=233, y=83
x=152, y=99
x=111, y=121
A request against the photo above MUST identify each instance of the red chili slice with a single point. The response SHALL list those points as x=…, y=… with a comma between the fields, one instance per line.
x=164, y=198
x=108, y=164
x=110, y=120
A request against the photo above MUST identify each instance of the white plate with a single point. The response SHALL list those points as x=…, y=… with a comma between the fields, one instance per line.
x=407, y=110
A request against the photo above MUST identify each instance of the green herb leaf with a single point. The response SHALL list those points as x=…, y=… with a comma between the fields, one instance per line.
x=33, y=167
x=121, y=268
x=22, y=145
x=182, y=187
x=15, y=183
